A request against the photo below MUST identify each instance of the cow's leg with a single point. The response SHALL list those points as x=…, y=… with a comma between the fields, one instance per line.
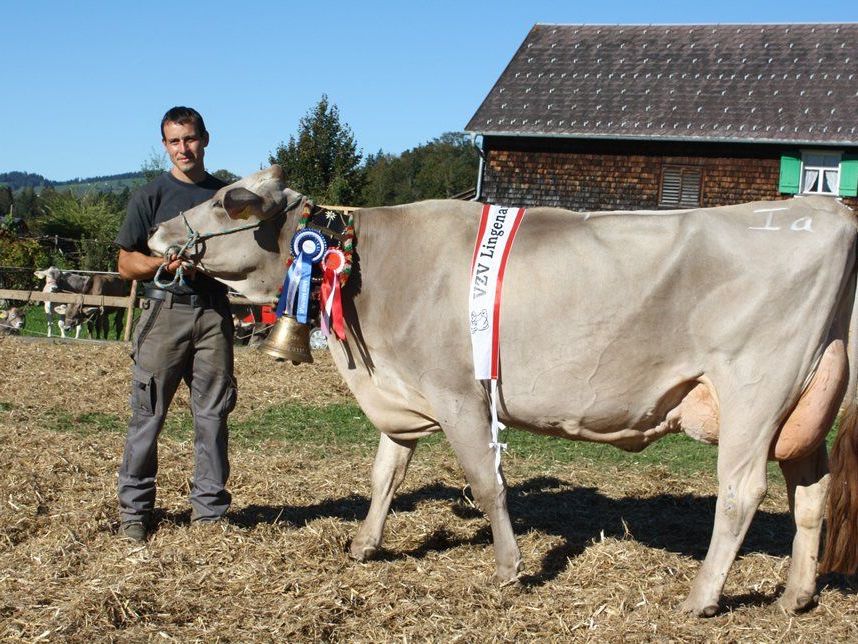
x=103, y=329
x=477, y=459
x=807, y=484
x=388, y=472
x=742, y=455
x=50, y=320
x=118, y=323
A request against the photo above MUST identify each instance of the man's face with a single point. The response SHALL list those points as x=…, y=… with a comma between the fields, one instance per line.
x=185, y=146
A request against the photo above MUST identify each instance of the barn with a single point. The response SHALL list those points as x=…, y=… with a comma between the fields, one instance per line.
x=672, y=116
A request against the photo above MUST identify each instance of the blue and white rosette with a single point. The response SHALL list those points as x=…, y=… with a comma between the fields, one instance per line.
x=308, y=248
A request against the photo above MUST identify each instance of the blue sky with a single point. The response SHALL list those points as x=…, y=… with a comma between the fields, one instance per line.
x=83, y=85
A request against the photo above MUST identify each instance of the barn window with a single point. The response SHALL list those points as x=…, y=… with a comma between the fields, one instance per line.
x=820, y=173
x=680, y=186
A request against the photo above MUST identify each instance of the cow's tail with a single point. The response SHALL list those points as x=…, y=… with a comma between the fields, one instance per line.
x=841, y=545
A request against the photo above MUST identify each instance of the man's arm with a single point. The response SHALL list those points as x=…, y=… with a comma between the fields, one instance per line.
x=134, y=265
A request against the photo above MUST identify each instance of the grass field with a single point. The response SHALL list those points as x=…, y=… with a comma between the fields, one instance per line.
x=344, y=424
x=36, y=324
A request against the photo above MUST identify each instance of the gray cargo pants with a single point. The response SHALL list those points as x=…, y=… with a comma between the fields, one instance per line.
x=174, y=341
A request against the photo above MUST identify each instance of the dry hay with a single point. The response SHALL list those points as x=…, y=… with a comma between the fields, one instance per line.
x=608, y=554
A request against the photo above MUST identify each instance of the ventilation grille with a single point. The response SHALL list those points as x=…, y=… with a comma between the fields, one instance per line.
x=680, y=186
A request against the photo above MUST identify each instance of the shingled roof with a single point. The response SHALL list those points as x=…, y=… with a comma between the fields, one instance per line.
x=786, y=83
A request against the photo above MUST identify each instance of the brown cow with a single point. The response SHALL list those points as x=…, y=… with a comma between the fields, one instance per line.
x=619, y=328
x=97, y=318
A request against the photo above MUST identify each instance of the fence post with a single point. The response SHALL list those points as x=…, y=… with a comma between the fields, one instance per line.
x=129, y=314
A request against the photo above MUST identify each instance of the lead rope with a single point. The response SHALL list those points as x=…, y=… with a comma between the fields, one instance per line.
x=176, y=251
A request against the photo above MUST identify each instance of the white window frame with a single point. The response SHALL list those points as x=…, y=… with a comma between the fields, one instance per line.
x=820, y=169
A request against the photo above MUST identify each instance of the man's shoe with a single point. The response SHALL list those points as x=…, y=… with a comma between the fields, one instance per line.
x=133, y=531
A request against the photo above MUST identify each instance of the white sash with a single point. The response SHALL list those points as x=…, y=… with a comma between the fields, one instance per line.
x=498, y=226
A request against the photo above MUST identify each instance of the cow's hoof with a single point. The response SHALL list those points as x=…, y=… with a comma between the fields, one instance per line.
x=507, y=577
x=691, y=607
x=362, y=553
x=797, y=602
x=507, y=582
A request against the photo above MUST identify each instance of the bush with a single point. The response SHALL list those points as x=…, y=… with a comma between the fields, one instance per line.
x=20, y=252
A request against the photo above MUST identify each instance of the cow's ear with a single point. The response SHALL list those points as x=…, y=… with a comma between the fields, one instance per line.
x=240, y=203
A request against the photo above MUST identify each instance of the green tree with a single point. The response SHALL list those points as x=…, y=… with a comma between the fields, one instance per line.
x=20, y=253
x=226, y=176
x=439, y=169
x=119, y=200
x=90, y=220
x=155, y=165
x=388, y=180
x=27, y=204
x=323, y=162
x=6, y=200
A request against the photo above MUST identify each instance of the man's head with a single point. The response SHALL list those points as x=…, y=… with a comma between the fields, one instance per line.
x=184, y=136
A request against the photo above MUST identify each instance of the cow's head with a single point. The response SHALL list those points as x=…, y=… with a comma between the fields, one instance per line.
x=52, y=276
x=75, y=313
x=248, y=220
x=12, y=320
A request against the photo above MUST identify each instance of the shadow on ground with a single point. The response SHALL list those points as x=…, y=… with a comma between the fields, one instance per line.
x=677, y=523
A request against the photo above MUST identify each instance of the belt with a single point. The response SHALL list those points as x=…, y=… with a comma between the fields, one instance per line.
x=199, y=300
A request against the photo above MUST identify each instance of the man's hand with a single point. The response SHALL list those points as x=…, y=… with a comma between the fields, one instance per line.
x=174, y=261
x=137, y=266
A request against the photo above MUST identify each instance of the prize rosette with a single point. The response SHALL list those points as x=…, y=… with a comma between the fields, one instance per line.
x=308, y=247
x=334, y=260
x=309, y=243
x=333, y=263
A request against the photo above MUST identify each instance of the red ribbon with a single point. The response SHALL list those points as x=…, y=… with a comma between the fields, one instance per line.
x=332, y=306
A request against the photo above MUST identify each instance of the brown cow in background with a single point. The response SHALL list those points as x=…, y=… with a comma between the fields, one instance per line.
x=97, y=318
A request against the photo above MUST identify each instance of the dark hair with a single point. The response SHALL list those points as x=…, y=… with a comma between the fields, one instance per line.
x=181, y=115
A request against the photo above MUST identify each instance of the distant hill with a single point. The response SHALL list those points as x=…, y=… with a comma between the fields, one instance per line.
x=16, y=180
x=109, y=183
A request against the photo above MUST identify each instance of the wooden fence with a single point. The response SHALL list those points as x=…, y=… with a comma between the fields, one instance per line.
x=129, y=302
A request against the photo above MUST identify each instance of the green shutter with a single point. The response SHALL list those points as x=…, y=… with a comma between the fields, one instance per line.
x=849, y=176
x=790, y=174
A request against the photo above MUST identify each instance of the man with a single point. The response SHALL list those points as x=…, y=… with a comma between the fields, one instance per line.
x=185, y=332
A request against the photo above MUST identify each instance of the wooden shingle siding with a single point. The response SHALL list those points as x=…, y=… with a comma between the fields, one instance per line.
x=576, y=181
x=624, y=175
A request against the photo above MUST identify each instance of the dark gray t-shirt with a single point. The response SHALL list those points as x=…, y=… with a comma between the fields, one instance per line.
x=159, y=200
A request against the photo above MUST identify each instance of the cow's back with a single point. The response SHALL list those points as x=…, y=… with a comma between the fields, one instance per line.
x=602, y=314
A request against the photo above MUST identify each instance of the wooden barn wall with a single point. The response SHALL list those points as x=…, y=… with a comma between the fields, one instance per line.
x=609, y=175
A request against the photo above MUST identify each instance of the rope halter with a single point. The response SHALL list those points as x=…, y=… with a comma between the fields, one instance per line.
x=195, y=238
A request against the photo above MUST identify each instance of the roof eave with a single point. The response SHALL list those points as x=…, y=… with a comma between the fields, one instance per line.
x=643, y=137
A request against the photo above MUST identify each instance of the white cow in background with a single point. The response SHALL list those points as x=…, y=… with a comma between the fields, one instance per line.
x=57, y=281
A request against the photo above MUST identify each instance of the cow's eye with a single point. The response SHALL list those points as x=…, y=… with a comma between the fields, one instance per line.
x=218, y=204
